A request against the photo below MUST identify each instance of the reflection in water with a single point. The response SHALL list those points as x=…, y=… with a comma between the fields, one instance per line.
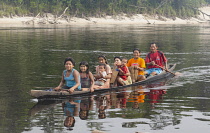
x=102, y=103
x=70, y=109
x=33, y=56
x=86, y=105
x=131, y=102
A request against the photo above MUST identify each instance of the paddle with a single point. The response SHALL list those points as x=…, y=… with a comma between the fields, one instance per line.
x=165, y=69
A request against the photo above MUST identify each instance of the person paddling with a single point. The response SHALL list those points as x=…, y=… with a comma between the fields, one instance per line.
x=155, y=61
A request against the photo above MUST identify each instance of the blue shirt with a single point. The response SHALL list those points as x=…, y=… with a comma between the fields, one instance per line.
x=70, y=81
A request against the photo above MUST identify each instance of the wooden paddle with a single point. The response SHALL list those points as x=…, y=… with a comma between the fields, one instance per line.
x=134, y=73
x=165, y=69
x=114, y=76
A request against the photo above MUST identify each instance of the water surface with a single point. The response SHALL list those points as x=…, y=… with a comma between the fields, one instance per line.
x=31, y=57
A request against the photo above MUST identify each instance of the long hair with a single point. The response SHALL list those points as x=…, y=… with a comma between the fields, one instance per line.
x=86, y=64
x=102, y=56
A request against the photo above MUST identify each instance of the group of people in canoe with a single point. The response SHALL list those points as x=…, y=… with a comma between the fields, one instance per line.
x=128, y=71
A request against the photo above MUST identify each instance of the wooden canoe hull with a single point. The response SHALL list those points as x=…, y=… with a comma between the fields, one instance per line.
x=64, y=94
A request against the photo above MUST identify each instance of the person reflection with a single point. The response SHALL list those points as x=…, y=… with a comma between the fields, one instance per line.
x=155, y=95
x=101, y=112
x=70, y=109
x=137, y=96
x=122, y=99
x=85, y=106
x=102, y=103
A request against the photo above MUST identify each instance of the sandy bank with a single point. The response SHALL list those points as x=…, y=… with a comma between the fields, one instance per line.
x=123, y=19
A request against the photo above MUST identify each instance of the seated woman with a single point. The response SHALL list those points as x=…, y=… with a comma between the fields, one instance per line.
x=87, y=79
x=122, y=78
x=70, y=76
x=102, y=60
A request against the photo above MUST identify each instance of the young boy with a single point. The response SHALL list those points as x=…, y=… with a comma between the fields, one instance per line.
x=123, y=71
x=102, y=73
x=124, y=63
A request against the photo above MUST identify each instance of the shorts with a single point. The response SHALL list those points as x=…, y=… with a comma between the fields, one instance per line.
x=157, y=70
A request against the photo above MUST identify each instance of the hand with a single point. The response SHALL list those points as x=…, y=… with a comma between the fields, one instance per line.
x=120, y=70
x=71, y=90
x=115, y=64
x=166, y=69
x=135, y=67
x=152, y=62
x=57, y=88
x=91, y=89
x=97, y=76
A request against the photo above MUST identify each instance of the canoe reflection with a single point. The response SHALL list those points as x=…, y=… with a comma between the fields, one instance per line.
x=133, y=103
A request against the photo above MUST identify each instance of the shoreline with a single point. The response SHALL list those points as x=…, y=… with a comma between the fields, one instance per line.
x=121, y=19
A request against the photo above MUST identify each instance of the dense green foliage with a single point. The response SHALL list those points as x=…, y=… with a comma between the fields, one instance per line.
x=100, y=8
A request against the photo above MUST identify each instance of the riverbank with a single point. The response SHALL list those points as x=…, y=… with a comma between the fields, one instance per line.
x=122, y=19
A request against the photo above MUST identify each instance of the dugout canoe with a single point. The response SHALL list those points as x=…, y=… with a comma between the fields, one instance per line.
x=40, y=94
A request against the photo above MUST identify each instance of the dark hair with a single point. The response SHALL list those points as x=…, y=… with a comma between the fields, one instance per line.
x=153, y=43
x=83, y=117
x=117, y=57
x=86, y=64
x=124, y=58
x=102, y=64
x=72, y=125
x=137, y=50
x=101, y=114
x=102, y=56
x=69, y=59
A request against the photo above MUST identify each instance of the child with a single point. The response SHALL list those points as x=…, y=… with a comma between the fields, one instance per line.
x=102, y=73
x=70, y=76
x=124, y=63
x=123, y=71
x=102, y=59
x=87, y=79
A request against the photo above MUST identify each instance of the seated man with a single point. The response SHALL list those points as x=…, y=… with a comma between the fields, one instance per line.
x=155, y=60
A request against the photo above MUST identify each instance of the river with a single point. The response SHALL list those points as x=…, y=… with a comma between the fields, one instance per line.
x=31, y=57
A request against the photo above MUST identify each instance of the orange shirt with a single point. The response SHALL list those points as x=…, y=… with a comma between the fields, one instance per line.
x=139, y=62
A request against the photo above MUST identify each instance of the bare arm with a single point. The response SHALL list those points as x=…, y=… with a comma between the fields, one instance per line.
x=61, y=83
x=128, y=73
x=166, y=65
x=92, y=81
x=122, y=73
x=139, y=68
x=109, y=72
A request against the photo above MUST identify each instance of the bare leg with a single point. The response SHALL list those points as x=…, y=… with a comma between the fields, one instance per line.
x=119, y=80
x=140, y=78
x=153, y=73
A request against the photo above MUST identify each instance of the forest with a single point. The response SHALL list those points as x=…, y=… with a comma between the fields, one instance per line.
x=100, y=8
